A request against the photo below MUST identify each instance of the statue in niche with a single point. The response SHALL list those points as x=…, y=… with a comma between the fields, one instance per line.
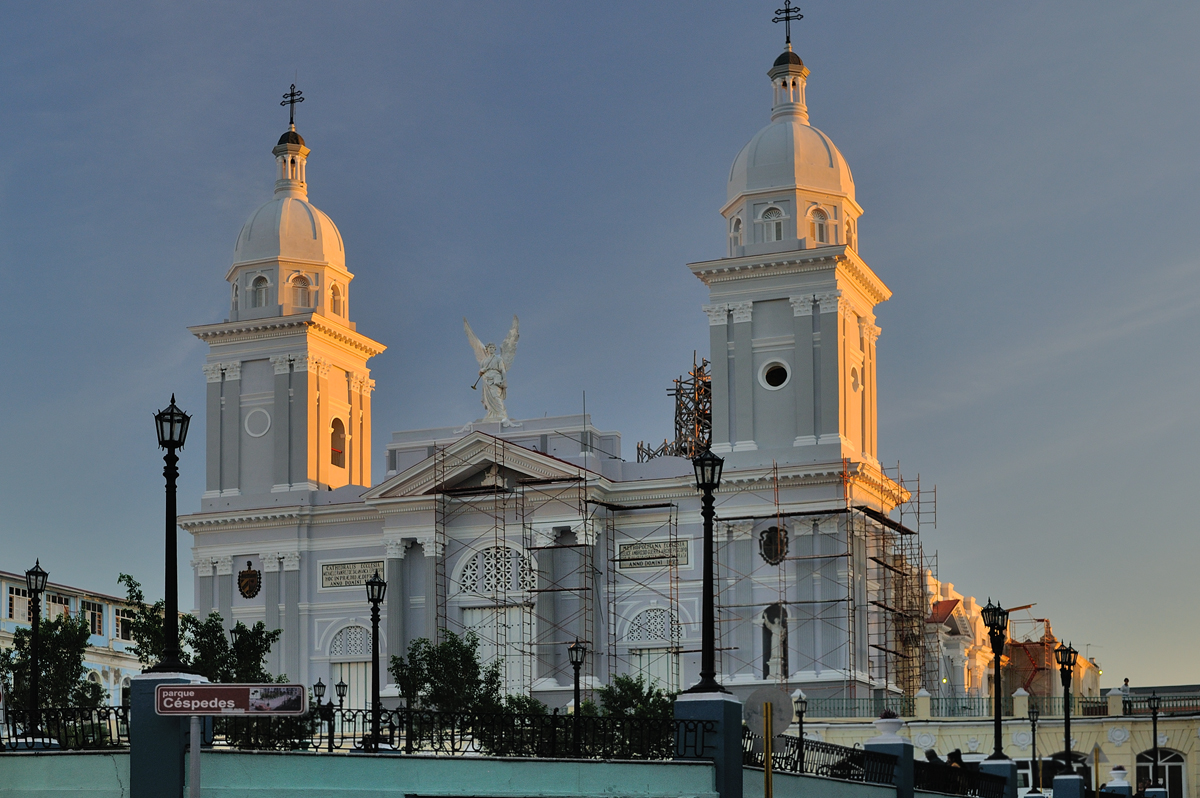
x=493, y=371
x=773, y=621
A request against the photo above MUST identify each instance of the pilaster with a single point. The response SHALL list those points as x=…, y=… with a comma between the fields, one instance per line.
x=225, y=589
x=270, y=566
x=396, y=598
x=284, y=438
x=212, y=430
x=827, y=351
x=804, y=377
x=743, y=377
x=718, y=347
x=231, y=428
x=291, y=615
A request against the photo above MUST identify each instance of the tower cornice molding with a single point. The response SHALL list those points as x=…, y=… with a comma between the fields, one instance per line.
x=311, y=323
x=840, y=258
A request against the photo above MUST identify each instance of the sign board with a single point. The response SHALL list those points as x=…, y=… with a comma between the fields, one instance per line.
x=349, y=574
x=231, y=699
x=652, y=554
x=781, y=710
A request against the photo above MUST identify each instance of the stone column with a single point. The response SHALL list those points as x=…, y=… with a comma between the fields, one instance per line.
x=432, y=550
x=544, y=604
x=304, y=379
x=282, y=421
x=364, y=432
x=718, y=355
x=270, y=566
x=803, y=377
x=871, y=434
x=212, y=430
x=291, y=615
x=395, y=598
x=225, y=590
x=742, y=661
x=743, y=377
x=204, y=586
x=231, y=429
x=827, y=353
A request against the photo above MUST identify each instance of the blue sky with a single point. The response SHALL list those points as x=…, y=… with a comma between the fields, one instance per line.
x=1028, y=172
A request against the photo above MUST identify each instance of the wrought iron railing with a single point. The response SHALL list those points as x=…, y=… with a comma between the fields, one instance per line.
x=859, y=707
x=1179, y=704
x=1082, y=706
x=950, y=780
x=467, y=733
x=816, y=758
x=967, y=706
x=69, y=728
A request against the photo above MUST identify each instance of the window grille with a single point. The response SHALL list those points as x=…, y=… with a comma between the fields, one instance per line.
x=353, y=641
x=498, y=569
x=654, y=624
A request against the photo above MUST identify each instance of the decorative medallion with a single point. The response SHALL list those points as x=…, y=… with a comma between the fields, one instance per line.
x=925, y=740
x=1118, y=735
x=249, y=581
x=773, y=544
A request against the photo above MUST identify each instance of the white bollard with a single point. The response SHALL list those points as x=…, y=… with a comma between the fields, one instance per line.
x=194, y=765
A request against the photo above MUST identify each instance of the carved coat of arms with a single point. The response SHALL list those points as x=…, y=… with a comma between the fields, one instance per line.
x=249, y=581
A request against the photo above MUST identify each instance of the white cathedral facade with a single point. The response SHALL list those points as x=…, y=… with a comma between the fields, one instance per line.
x=539, y=534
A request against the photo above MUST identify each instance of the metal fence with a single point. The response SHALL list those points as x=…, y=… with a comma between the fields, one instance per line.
x=949, y=780
x=859, y=707
x=1081, y=706
x=1180, y=704
x=405, y=731
x=967, y=706
x=816, y=758
x=68, y=728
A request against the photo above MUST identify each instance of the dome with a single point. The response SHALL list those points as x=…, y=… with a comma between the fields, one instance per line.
x=789, y=153
x=291, y=137
x=788, y=57
x=290, y=227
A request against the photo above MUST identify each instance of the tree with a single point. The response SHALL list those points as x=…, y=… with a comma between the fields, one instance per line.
x=635, y=698
x=62, y=682
x=205, y=645
x=448, y=676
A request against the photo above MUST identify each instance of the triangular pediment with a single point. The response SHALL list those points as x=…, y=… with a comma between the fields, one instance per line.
x=476, y=462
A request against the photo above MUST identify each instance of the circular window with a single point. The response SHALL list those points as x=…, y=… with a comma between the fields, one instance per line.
x=774, y=375
x=258, y=421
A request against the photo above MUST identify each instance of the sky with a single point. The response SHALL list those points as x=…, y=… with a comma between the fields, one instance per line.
x=1031, y=192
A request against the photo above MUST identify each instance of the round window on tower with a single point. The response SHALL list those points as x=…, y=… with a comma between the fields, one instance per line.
x=774, y=375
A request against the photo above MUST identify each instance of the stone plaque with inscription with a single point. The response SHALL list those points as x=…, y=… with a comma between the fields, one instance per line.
x=349, y=574
x=652, y=554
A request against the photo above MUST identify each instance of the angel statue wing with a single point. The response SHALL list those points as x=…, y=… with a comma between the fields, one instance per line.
x=476, y=344
x=508, y=349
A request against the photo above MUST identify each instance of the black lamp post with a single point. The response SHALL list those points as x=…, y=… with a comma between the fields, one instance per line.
x=577, y=652
x=172, y=425
x=1065, y=655
x=801, y=705
x=995, y=618
x=376, y=587
x=340, y=688
x=35, y=582
x=1154, y=702
x=325, y=710
x=1036, y=772
x=708, y=478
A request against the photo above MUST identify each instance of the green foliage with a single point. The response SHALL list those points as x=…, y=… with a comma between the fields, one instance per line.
x=635, y=698
x=524, y=705
x=206, y=647
x=147, y=624
x=448, y=676
x=62, y=644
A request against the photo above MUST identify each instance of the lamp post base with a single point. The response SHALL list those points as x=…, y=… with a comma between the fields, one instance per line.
x=707, y=684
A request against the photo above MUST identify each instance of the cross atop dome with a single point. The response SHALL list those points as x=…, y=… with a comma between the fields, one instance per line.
x=293, y=96
x=784, y=15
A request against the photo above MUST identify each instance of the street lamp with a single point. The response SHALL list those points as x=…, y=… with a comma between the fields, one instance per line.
x=376, y=587
x=1037, y=780
x=708, y=478
x=172, y=425
x=800, y=702
x=1065, y=655
x=340, y=688
x=995, y=618
x=35, y=581
x=576, y=652
x=1154, y=702
x=325, y=710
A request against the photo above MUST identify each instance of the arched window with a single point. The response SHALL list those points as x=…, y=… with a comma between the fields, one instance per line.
x=497, y=569
x=300, y=292
x=350, y=651
x=258, y=296
x=1170, y=770
x=653, y=638
x=335, y=301
x=234, y=300
x=735, y=233
x=655, y=624
x=820, y=228
x=772, y=224
x=850, y=233
x=337, y=443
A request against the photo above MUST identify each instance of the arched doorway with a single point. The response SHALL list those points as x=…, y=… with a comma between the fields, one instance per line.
x=1170, y=770
x=653, y=638
x=350, y=662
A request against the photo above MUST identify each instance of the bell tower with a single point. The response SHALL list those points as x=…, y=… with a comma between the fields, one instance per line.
x=791, y=307
x=289, y=390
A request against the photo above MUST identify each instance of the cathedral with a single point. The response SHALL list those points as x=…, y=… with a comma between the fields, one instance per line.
x=538, y=533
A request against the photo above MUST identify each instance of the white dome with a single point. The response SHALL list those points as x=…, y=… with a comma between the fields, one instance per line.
x=790, y=154
x=290, y=227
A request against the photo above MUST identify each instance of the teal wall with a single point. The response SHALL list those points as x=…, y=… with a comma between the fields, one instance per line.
x=789, y=785
x=82, y=775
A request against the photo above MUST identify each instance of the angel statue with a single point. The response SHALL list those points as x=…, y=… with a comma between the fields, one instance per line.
x=493, y=366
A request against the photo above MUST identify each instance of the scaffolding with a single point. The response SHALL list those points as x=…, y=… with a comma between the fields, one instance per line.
x=693, y=416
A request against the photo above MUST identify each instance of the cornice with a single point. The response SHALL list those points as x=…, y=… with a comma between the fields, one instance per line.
x=283, y=326
x=713, y=272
